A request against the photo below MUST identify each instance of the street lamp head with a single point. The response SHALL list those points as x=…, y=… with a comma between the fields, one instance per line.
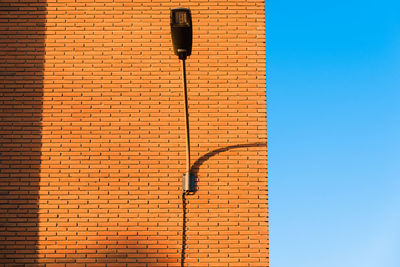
x=181, y=32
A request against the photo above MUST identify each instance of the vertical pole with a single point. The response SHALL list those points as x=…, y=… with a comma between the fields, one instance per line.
x=186, y=121
x=186, y=177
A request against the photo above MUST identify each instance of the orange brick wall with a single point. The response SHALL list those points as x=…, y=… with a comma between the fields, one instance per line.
x=93, y=134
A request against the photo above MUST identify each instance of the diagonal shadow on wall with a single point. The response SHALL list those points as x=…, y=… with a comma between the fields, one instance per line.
x=22, y=36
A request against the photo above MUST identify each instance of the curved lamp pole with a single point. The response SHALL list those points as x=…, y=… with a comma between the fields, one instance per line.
x=181, y=33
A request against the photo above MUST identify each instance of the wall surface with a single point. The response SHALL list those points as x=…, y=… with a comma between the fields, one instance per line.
x=22, y=49
x=93, y=134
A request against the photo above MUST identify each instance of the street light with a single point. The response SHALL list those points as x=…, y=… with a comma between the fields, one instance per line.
x=181, y=33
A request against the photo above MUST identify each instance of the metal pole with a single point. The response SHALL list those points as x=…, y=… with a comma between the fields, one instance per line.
x=186, y=120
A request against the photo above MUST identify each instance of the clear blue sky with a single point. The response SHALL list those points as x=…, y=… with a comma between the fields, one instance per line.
x=333, y=87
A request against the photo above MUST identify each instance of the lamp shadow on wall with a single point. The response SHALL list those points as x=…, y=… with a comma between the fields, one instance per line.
x=22, y=27
x=200, y=161
x=195, y=170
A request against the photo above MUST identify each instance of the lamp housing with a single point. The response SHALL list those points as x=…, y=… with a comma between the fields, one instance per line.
x=181, y=32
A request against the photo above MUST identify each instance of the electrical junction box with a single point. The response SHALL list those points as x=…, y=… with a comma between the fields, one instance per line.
x=188, y=182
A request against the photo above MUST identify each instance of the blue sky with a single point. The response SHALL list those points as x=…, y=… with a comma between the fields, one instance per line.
x=333, y=88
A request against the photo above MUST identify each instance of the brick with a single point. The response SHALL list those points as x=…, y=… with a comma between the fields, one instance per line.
x=92, y=144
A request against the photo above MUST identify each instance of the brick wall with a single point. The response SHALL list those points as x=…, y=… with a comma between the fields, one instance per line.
x=93, y=134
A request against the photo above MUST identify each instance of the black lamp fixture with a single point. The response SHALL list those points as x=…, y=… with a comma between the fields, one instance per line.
x=181, y=33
